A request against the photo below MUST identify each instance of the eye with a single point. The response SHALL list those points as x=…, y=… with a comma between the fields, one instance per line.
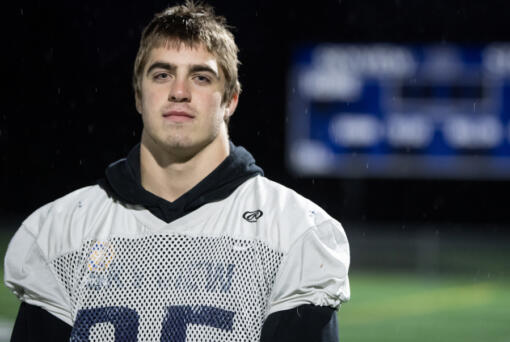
x=161, y=76
x=202, y=79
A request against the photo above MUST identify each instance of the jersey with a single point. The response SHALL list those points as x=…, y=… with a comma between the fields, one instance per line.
x=114, y=271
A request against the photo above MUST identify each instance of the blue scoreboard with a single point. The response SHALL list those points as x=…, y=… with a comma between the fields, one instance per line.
x=387, y=110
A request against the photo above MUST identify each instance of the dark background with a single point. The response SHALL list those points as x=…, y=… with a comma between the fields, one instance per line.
x=67, y=108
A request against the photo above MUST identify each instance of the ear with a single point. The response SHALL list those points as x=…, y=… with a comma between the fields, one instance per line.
x=138, y=103
x=231, y=106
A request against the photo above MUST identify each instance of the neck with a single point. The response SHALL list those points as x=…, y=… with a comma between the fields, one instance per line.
x=169, y=173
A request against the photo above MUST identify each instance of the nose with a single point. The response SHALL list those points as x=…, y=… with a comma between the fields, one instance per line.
x=179, y=91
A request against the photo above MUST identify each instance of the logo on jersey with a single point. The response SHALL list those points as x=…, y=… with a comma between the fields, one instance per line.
x=101, y=256
x=252, y=216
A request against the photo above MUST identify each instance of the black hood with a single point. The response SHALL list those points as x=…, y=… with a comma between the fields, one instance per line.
x=123, y=182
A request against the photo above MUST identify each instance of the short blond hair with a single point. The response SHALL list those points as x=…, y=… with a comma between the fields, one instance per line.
x=191, y=24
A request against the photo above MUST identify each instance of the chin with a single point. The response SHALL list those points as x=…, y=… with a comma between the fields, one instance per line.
x=185, y=145
x=182, y=143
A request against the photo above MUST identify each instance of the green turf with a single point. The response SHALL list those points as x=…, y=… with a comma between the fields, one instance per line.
x=8, y=302
x=399, y=306
x=404, y=307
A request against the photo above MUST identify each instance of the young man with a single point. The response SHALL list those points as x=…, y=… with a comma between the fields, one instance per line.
x=185, y=239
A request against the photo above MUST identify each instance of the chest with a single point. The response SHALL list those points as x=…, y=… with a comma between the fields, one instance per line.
x=173, y=284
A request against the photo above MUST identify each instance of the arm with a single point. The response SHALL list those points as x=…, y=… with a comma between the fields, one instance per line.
x=28, y=274
x=302, y=324
x=34, y=324
x=310, y=286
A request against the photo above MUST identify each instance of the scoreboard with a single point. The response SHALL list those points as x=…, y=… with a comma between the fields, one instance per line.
x=388, y=110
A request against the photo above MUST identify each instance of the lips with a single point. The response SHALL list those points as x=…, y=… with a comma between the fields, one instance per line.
x=178, y=116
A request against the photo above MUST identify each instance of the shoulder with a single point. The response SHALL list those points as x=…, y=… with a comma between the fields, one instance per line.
x=64, y=220
x=68, y=206
x=52, y=231
x=288, y=215
x=314, y=247
x=283, y=203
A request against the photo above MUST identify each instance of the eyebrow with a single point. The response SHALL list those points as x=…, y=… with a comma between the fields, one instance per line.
x=161, y=65
x=173, y=67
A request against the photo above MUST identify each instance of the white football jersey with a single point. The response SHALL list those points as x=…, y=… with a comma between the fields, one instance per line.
x=117, y=272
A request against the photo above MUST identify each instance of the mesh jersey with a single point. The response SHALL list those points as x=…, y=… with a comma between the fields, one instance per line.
x=116, y=272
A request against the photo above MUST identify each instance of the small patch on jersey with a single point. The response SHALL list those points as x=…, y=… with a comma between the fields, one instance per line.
x=101, y=256
x=252, y=216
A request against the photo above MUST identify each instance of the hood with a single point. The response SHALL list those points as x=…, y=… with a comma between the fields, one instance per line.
x=123, y=182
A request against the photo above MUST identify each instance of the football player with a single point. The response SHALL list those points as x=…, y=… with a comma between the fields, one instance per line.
x=184, y=239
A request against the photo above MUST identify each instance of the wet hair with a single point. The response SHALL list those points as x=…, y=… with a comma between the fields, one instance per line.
x=191, y=24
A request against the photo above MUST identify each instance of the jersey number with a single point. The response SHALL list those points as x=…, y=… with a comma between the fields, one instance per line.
x=125, y=321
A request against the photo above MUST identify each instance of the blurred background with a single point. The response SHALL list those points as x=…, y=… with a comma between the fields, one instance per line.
x=394, y=116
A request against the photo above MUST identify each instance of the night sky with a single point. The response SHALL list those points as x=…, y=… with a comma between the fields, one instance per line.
x=68, y=109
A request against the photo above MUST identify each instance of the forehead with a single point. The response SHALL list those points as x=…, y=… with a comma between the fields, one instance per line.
x=182, y=55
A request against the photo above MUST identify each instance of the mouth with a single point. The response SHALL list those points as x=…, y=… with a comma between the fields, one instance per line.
x=178, y=116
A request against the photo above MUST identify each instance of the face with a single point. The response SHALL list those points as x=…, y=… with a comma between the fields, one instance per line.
x=181, y=99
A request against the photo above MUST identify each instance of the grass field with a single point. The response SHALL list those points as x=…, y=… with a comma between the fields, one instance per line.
x=405, y=307
x=397, y=306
